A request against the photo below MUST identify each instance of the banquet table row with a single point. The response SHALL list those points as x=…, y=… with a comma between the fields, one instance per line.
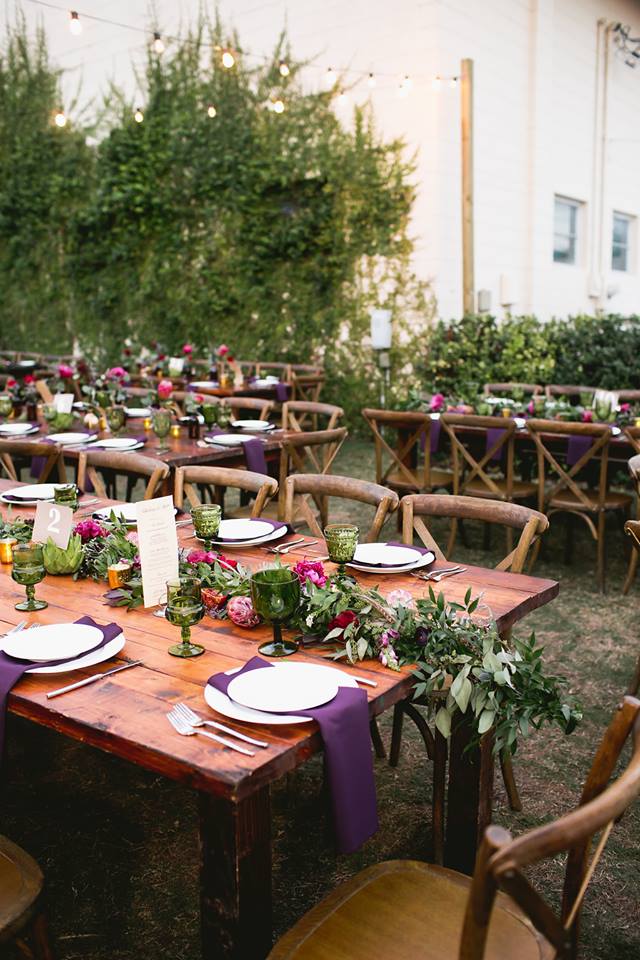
x=126, y=715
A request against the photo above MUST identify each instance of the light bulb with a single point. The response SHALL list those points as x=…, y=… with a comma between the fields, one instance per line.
x=60, y=120
x=342, y=99
x=436, y=83
x=211, y=111
x=228, y=59
x=284, y=69
x=371, y=81
x=74, y=23
x=453, y=82
x=138, y=116
x=330, y=78
x=278, y=106
x=158, y=44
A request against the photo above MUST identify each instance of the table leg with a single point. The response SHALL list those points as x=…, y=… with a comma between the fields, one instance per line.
x=235, y=877
x=470, y=796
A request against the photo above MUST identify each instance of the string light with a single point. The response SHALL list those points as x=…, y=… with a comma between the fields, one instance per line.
x=371, y=81
x=436, y=83
x=330, y=78
x=138, y=115
x=228, y=59
x=158, y=44
x=453, y=82
x=278, y=106
x=211, y=111
x=75, y=26
x=60, y=120
x=284, y=69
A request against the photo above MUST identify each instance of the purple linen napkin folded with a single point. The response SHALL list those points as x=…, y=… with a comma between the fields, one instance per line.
x=253, y=451
x=282, y=392
x=577, y=446
x=493, y=435
x=390, y=566
x=344, y=727
x=434, y=436
x=11, y=670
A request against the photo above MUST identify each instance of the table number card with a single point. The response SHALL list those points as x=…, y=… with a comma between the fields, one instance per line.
x=158, y=545
x=63, y=402
x=53, y=522
x=176, y=366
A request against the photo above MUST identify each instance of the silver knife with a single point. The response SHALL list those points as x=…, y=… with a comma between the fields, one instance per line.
x=92, y=679
x=18, y=627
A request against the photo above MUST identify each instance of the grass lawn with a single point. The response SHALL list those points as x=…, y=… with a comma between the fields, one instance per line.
x=119, y=846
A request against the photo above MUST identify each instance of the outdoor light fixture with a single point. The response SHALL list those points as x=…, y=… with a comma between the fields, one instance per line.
x=381, y=324
x=74, y=23
x=211, y=111
x=158, y=44
x=228, y=59
x=60, y=120
x=284, y=69
x=371, y=81
x=138, y=116
x=278, y=106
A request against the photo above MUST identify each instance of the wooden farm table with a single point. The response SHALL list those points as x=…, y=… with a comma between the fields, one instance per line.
x=126, y=716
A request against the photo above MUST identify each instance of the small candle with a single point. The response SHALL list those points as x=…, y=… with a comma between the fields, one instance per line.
x=147, y=423
x=175, y=430
x=5, y=549
x=506, y=412
x=637, y=421
x=118, y=574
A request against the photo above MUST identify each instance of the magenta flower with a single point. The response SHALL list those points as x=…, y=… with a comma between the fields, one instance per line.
x=437, y=402
x=587, y=416
x=625, y=407
x=116, y=373
x=89, y=530
x=531, y=409
x=187, y=349
x=312, y=571
x=65, y=372
x=165, y=389
x=222, y=350
x=240, y=611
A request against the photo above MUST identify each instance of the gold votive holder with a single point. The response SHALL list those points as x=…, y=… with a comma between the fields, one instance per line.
x=6, y=546
x=118, y=574
x=637, y=421
x=147, y=423
x=175, y=431
x=506, y=411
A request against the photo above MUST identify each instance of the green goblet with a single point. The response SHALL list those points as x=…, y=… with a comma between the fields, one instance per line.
x=342, y=540
x=210, y=413
x=224, y=417
x=6, y=404
x=184, y=609
x=116, y=418
x=206, y=521
x=67, y=494
x=275, y=595
x=161, y=420
x=602, y=409
x=49, y=412
x=27, y=570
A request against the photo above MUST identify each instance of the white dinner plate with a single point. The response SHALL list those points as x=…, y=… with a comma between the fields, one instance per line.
x=119, y=443
x=224, y=545
x=18, y=429
x=299, y=686
x=423, y=561
x=67, y=438
x=32, y=492
x=53, y=641
x=204, y=385
x=259, y=425
x=88, y=660
x=373, y=554
x=243, y=529
x=221, y=703
x=127, y=511
x=228, y=440
x=138, y=411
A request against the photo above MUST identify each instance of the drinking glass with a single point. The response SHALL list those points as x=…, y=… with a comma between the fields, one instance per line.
x=67, y=494
x=116, y=418
x=6, y=404
x=586, y=399
x=210, y=413
x=342, y=540
x=184, y=609
x=224, y=417
x=28, y=569
x=161, y=426
x=206, y=521
x=103, y=398
x=275, y=595
x=602, y=409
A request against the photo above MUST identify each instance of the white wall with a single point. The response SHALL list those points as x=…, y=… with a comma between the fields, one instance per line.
x=535, y=89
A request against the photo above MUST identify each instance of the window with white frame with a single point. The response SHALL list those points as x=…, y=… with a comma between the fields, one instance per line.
x=566, y=224
x=621, y=242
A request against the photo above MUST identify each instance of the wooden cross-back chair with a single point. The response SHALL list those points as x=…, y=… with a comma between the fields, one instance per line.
x=299, y=486
x=566, y=390
x=23, y=924
x=239, y=405
x=16, y=453
x=415, y=511
x=632, y=527
x=407, y=469
x=313, y=452
x=307, y=382
x=565, y=494
x=401, y=909
x=274, y=367
x=498, y=388
x=300, y=415
x=218, y=479
x=94, y=463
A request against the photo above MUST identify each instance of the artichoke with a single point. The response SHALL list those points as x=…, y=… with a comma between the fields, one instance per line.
x=59, y=561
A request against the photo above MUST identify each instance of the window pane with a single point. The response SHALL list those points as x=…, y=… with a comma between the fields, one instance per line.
x=564, y=248
x=619, y=256
x=564, y=217
x=620, y=230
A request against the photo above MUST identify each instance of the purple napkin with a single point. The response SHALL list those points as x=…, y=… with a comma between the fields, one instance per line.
x=253, y=451
x=344, y=727
x=493, y=435
x=11, y=670
x=434, y=436
x=577, y=446
x=282, y=392
x=390, y=566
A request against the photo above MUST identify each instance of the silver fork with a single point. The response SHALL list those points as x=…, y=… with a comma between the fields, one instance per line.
x=289, y=546
x=196, y=721
x=441, y=574
x=186, y=730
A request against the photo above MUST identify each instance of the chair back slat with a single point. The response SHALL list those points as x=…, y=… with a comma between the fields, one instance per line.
x=466, y=466
x=498, y=388
x=237, y=404
x=301, y=415
x=91, y=464
x=320, y=487
x=219, y=478
x=567, y=390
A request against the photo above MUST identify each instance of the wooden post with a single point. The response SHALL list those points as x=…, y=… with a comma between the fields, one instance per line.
x=466, y=124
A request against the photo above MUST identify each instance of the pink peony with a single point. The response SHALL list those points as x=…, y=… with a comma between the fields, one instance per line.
x=187, y=349
x=531, y=409
x=240, y=611
x=89, y=529
x=29, y=378
x=400, y=598
x=65, y=372
x=437, y=402
x=116, y=373
x=625, y=407
x=222, y=350
x=165, y=389
x=587, y=416
x=210, y=557
x=312, y=571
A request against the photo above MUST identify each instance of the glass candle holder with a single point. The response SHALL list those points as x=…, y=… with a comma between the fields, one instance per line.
x=175, y=431
x=162, y=426
x=210, y=413
x=6, y=545
x=275, y=595
x=147, y=423
x=28, y=569
x=342, y=540
x=6, y=405
x=67, y=495
x=116, y=418
x=206, y=521
x=118, y=574
x=184, y=609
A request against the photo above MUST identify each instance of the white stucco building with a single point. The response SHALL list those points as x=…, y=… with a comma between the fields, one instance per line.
x=557, y=125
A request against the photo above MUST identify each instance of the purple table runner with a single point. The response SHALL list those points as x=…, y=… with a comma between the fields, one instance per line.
x=11, y=670
x=344, y=726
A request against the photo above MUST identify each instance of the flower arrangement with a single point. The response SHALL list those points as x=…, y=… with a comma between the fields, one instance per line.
x=19, y=529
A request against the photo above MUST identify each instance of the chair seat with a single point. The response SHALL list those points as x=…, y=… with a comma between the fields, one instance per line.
x=520, y=489
x=402, y=909
x=397, y=480
x=20, y=886
x=567, y=500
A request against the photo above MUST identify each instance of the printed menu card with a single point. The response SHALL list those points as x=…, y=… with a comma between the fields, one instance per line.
x=158, y=545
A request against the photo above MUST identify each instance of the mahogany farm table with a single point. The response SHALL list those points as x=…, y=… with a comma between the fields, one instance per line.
x=126, y=715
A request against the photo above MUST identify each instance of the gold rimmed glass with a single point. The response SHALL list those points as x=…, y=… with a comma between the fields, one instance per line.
x=184, y=609
x=27, y=570
x=342, y=540
x=206, y=521
x=275, y=595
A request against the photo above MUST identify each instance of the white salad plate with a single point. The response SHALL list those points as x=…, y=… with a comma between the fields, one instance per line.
x=18, y=429
x=385, y=558
x=228, y=440
x=29, y=494
x=138, y=411
x=259, y=425
x=53, y=641
x=246, y=533
x=125, y=511
x=69, y=438
x=204, y=385
x=119, y=443
x=297, y=686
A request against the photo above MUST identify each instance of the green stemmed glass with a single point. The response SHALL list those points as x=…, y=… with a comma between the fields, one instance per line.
x=49, y=412
x=275, y=595
x=27, y=570
x=206, y=521
x=602, y=409
x=6, y=405
x=116, y=418
x=161, y=425
x=586, y=399
x=342, y=540
x=184, y=609
x=67, y=494
x=210, y=413
x=62, y=421
x=224, y=417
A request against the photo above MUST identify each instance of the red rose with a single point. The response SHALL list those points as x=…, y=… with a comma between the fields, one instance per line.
x=343, y=620
x=11, y=382
x=227, y=562
x=29, y=378
x=229, y=358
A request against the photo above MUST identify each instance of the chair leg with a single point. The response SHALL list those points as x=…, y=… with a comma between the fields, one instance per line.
x=376, y=739
x=602, y=518
x=396, y=735
x=452, y=537
x=43, y=949
x=508, y=777
x=631, y=570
